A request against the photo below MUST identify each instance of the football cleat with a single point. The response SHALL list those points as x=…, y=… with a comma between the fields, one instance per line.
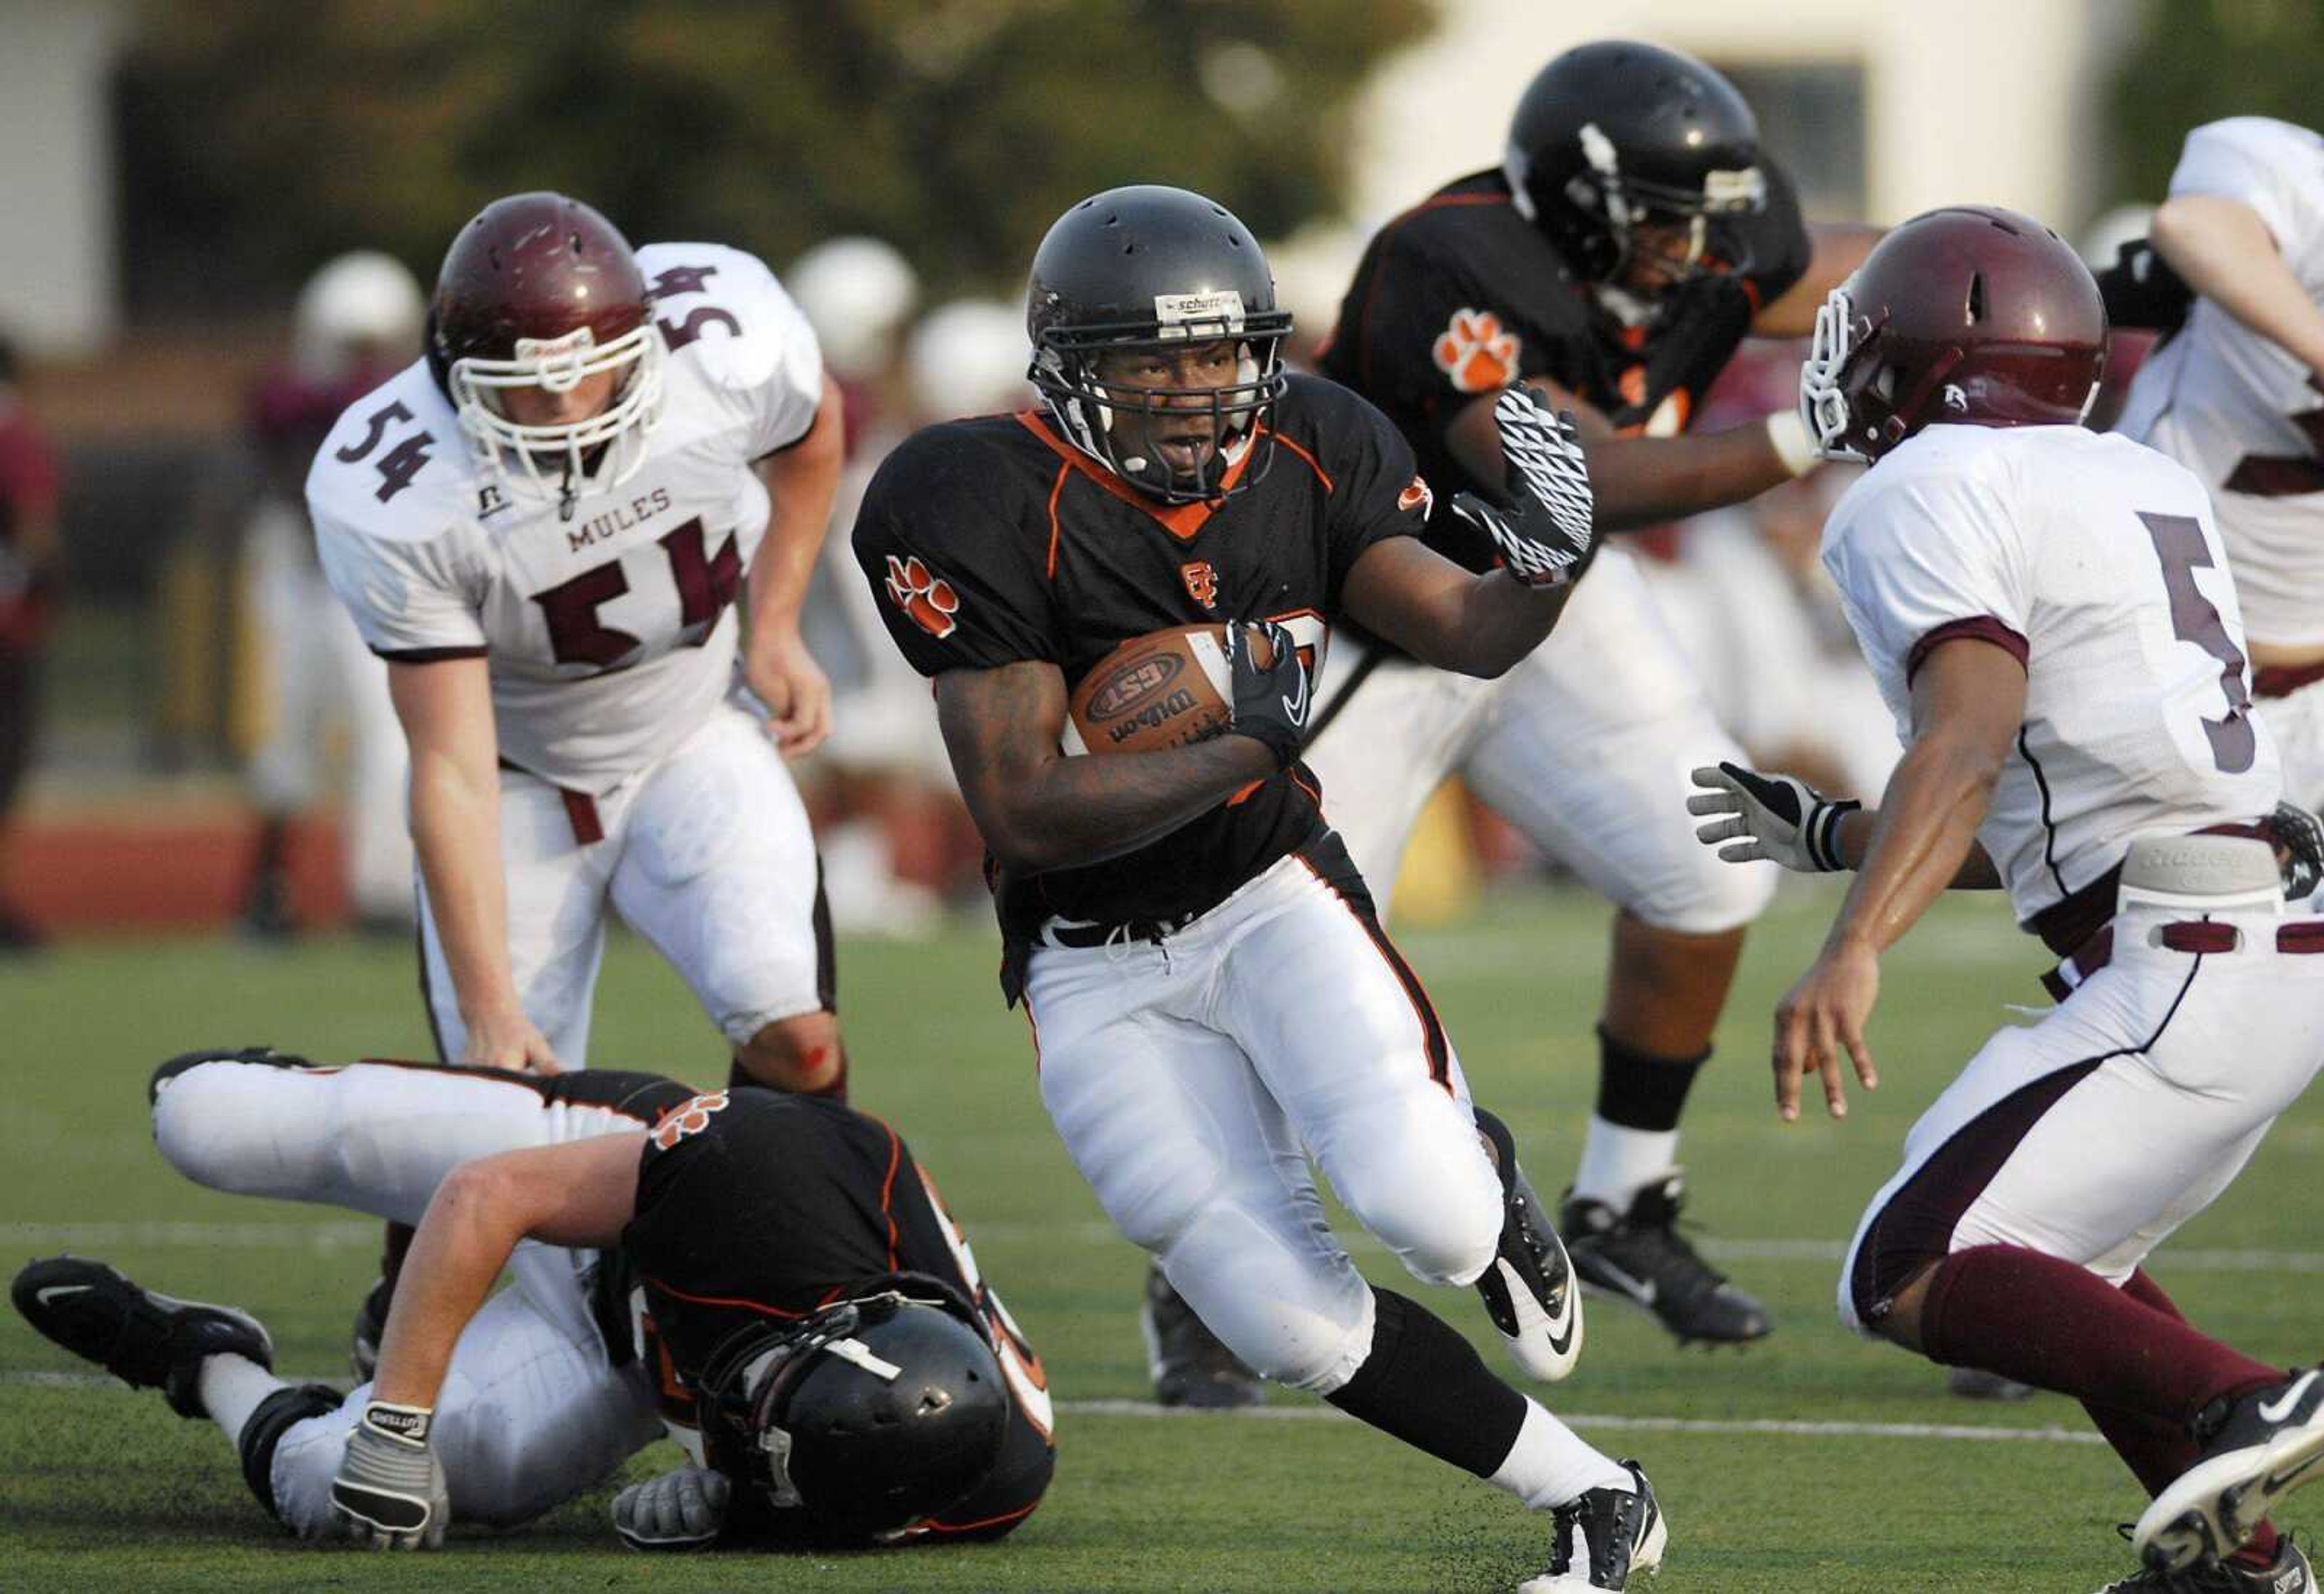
x=371, y=1328
x=1603, y=1538
x=2256, y=1449
x=2288, y=1574
x=1191, y=1366
x=1640, y=1257
x=147, y=1340
x=1529, y=1290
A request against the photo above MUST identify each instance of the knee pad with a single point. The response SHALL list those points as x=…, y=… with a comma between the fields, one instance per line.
x=211, y=1113
x=1295, y=1311
x=1715, y=896
x=276, y=1415
x=1445, y=1232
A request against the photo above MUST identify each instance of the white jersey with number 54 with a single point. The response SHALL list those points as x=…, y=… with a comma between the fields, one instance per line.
x=2095, y=561
x=608, y=625
x=2247, y=417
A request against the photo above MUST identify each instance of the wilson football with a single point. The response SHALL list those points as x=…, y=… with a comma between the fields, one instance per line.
x=1163, y=690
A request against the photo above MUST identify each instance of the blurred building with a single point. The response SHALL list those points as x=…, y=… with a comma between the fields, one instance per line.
x=57, y=270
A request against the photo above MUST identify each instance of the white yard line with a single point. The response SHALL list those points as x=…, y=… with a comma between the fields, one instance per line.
x=1324, y=1413
x=330, y=1236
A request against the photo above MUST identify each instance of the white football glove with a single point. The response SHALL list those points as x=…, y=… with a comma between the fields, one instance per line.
x=389, y=1491
x=1776, y=817
x=1548, y=533
x=680, y=1510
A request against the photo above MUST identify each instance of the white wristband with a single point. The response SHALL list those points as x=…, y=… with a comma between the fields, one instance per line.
x=1787, y=434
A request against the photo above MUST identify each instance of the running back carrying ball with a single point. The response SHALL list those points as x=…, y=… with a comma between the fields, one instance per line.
x=1163, y=690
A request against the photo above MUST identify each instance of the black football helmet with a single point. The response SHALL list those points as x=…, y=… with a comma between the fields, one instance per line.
x=1151, y=269
x=871, y=1413
x=1617, y=135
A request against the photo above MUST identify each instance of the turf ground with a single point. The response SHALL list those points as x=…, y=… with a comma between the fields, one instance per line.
x=1794, y=1467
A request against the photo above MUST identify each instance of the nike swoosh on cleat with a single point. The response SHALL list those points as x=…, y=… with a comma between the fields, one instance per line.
x=53, y=1291
x=2278, y=1410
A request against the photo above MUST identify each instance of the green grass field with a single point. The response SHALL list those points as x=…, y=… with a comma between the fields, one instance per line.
x=104, y=1489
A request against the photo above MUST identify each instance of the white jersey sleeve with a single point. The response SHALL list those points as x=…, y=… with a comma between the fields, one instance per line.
x=721, y=309
x=2267, y=164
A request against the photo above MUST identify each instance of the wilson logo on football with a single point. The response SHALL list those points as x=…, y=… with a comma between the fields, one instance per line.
x=687, y=1118
x=1418, y=496
x=1201, y=582
x=1477, y=352
x=1133, y=685
x=930, y=601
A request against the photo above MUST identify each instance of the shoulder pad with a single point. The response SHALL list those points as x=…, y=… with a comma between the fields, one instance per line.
x=721, y=311
x=394, y=465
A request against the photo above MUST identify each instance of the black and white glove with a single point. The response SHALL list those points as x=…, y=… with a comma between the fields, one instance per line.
x=1546, y=536
x=1776, y=817
x=1273, y=701
x=681, y=1510
x=390, y=1490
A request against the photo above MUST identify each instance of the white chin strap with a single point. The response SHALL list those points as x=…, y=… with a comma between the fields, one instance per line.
x=1823, y=407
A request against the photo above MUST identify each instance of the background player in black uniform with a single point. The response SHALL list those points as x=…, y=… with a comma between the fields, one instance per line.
x=773, y=1274
x=1212, y=998
x=1636, y=234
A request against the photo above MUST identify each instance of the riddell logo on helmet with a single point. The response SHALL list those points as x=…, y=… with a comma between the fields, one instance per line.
x=1476, y=352
x=929, y=601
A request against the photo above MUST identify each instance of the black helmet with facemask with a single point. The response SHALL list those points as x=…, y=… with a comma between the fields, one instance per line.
x=1152, y=270
x=871, y=1414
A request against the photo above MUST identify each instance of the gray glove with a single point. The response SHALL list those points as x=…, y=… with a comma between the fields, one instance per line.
x=389, y=1491
x=1776, y=817
x=1546, y=536
x=680, y=1510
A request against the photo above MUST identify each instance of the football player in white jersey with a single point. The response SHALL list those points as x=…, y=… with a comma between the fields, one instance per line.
x=2236, y=395
x=543, y=527
x=2049, y=614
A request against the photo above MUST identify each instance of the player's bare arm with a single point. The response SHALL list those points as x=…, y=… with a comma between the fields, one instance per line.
x=1835, y=252
x=1038, y=809
x=2222, y=249
x=1968, y=702
x=1646, y=481
x=578, y=1194
x=446, y=709
x=802, y=478
x=1444, y=615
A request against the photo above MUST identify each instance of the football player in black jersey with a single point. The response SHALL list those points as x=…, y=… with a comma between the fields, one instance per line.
x=1212, y=999
x=1636, y=234
x=772, y=1276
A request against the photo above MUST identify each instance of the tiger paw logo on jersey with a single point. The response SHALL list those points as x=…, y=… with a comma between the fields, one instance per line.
x=1418, y=496
x=930, y=601
x=1202, y=580
x=1477, y=352
x=687, y=1118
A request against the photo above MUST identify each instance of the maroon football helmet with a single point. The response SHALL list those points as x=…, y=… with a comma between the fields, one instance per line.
x=1971, y=314
x=541, y=291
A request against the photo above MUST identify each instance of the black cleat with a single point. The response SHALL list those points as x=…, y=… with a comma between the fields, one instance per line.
x=1602, y=1539
x=147, y=1340
x=2255, y=1450
x=1190, y=1365
x=1529, y=1290
x=1640, y=1257
x=2289, y=1574
x=371, y=1328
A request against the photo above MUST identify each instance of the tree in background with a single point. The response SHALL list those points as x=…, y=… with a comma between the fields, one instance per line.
x=2198, y=60
x=260, y=138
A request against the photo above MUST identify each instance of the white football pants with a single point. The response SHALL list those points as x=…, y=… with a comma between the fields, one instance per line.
x=2093, y=1134
x=1585, y=746
x=1192, y=1079
x=532, y=1411
x=707, y=854
x=2297, y=723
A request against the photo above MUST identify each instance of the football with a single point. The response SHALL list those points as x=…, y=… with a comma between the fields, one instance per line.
x=1163, y=690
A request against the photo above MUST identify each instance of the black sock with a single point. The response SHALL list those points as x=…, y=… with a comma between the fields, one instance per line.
x=1426, y=1385
x=1639, y=1090
x=272, y=1418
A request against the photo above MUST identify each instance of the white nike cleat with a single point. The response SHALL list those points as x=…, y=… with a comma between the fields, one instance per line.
x=1529, y=1292
x=2255, y=1450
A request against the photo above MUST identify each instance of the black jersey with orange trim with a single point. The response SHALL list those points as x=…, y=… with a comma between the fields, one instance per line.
x=755, y=1206
x=993, y=541
x=1461, y=295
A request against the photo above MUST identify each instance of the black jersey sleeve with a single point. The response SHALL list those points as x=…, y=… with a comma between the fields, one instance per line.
x=947, y=542
x=1376, y=491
